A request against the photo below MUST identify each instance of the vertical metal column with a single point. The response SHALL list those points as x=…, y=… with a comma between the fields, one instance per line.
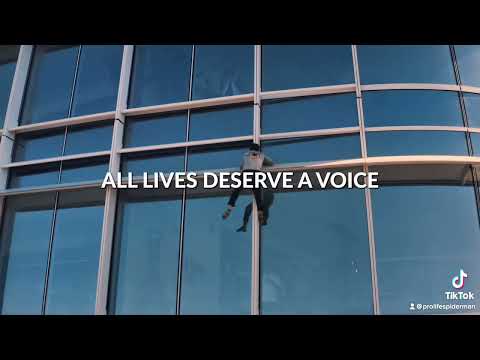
x=255, y=286
x=112, y=194
x=12, y=114
x=368, y=198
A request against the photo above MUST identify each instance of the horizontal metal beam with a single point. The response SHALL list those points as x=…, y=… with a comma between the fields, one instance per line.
x=186, y=105
x=77, y=120
x=310, y=91
x=410, y=86
x=57, y=159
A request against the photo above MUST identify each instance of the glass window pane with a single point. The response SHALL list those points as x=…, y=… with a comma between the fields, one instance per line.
x=160, y=74
x=8, y=62
x=88, y=169
x=325, y=148
x=97, y=79
x=468, y=58
x=224, y=70
x=24, y=252
x=75, y=254
x=315, y=254
x=472, y=105
x=309, y=113
x=216, y=267
x=381, y=64
x=476, y=143
x=50, y=83
x=221, y=122
x=300, y=66
x=37, y=175
x=165, y=161
x=216, y=157
x=146, y=253
x=156, y=130
x=411, y=107
x=416, y=143
x=39, y=145
x=88, y=138
x=424, y=235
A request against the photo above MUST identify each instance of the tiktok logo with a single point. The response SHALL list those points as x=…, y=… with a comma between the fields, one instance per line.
x=458, y=281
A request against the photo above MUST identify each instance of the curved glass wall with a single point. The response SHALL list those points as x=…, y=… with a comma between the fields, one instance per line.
x=197, y=108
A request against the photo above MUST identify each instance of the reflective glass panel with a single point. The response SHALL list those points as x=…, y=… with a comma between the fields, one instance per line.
x=50, y=83
x=424, y=235
x=88, y=169
x=468, y=58
x=75, y=253
x=216, y=266
x=300, y=66
x=315, y=254
x=165, y=161
x=24, y=245
x=160, y=74
x=8, y=62
x=97, y=79
x=221, y=122
x=309, y=113
x=39, y=145
x=472, y=105
x=411, y=107
x=36, y=175
x=381, y=64
x=146, y=252
x=216, y=157
x=300, y=150
x=222, y=70
x=156, y=130
x=88, y=138
x=416, y=143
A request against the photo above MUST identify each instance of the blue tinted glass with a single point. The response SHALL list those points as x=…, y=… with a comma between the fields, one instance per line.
x=84, y=170
x=50, y=84
x=161, y=74
x=313, y=260
x=381, y=64
x=160, y=129
x=24, y=252
x=146, y=243
x=161, y=162
x=224, y=70
x=309, y=113
x=216, y=158
x=216, y=266
x=39, y=145
x=472, y=105
x=313, y=149
x=8, y=61
x=34, y=175
x=416, y=143
x=90, y=138
x=476, y=143
x=75, y=255
x=468, y=58
x=411, y=107
x=97, y=79
x=299, y=66
x=220, y=123
x=424, y=235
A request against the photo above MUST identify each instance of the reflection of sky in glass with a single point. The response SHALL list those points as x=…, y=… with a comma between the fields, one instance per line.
x=315, y=255
x=7, y=70
x=309, y=113
x=216, y=270
x=380, y=64
x=147, y=238
x=424, y=235
x=299, y=66
x=411, y=107
x=416, y=143
x=468, y=58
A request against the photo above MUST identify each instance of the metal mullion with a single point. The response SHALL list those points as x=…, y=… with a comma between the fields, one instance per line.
x=255, y=292
x=184, y=195
x=368, y=198
x=111, y=194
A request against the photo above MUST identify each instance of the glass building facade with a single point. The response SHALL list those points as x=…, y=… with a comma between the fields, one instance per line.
x=69, y=114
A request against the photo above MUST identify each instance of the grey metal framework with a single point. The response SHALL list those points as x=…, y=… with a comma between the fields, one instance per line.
x=12, y=128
